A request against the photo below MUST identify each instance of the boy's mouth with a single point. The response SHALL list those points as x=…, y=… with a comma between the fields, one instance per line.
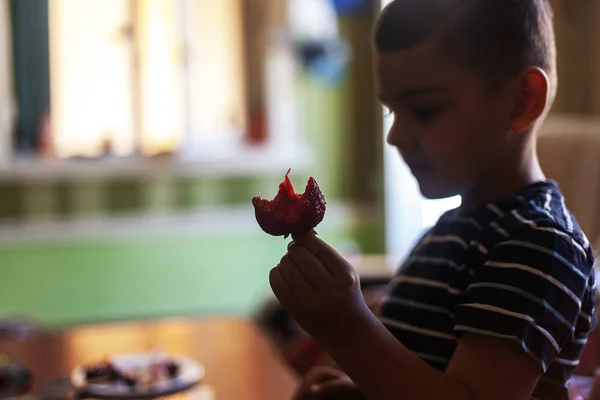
x=415, y=165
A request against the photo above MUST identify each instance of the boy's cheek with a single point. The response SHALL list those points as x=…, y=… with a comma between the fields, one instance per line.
x=447, y=178
x=455, y=160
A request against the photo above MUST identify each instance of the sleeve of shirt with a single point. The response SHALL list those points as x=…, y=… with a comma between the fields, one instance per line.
x=529, y=290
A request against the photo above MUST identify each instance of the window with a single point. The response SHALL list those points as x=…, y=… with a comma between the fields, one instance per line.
x=432, y=210
x=91, y=77
x=6, y=89
x=148, y=76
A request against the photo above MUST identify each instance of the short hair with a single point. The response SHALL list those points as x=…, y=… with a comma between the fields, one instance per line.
x=499, y=38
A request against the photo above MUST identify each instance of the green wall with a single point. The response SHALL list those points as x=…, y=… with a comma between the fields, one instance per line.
x=60, y=283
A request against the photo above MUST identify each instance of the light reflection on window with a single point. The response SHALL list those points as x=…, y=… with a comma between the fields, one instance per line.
x=432, y=210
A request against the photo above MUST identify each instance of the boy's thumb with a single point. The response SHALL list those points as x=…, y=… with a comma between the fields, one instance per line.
x=332, y=385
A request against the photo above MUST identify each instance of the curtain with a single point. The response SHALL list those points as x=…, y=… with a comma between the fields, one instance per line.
x=29, y=20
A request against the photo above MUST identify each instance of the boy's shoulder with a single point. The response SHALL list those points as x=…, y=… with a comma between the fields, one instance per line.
x=532, y=227
x=535, y=219
x=545, y=227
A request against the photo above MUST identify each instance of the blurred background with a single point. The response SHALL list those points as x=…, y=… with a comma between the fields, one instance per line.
x=134, y=133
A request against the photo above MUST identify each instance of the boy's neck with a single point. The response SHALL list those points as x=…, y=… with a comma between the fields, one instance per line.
x=502, y=183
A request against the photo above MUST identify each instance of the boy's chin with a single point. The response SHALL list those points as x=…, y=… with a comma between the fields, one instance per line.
x=435, y=191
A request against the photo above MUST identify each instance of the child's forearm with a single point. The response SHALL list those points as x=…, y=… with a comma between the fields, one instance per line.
x=384, y=369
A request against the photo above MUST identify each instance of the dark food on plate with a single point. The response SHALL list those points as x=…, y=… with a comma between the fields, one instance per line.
x=156, y=371
x=15, y=378
x=107, y=372
x=172, y=369
x=291, y=213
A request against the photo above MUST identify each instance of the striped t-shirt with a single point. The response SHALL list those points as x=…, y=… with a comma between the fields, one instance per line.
x=519, y=269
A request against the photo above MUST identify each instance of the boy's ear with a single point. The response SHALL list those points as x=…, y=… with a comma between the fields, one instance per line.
x=531, y=96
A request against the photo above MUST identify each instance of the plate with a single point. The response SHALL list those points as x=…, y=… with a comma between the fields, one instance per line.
x=190, y=374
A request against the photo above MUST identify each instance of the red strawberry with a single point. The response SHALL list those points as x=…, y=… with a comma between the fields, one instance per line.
x=290, y=213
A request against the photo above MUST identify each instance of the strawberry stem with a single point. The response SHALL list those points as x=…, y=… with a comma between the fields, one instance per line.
x=295, y=237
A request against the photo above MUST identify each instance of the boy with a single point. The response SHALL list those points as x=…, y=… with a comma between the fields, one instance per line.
x=496, y=301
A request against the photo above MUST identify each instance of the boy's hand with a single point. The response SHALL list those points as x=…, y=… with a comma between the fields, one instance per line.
x=327, y=384
x=319, y=288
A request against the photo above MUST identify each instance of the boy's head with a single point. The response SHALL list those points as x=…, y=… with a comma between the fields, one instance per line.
x=468, y=82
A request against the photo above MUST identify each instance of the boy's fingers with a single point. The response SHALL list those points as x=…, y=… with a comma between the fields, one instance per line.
x=315, y=377
x=281, y=289
x=334, y=385
x=322, y=374
x=331, y=259
x=339, y=389
x=298, y=283
x=310, y=266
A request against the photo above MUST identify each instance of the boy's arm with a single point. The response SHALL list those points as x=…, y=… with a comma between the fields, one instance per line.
x=322, y=292
x=402, y=375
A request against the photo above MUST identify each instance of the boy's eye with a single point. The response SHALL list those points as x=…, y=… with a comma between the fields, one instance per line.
x=426, y=114
x=387, y=112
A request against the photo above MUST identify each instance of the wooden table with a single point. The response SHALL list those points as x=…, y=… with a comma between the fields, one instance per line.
x=240, y=364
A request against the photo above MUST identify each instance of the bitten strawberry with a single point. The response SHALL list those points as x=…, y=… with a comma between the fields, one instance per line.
x=290, y=213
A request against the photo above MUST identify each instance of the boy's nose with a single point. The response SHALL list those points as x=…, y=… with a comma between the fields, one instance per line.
x=401, y=138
